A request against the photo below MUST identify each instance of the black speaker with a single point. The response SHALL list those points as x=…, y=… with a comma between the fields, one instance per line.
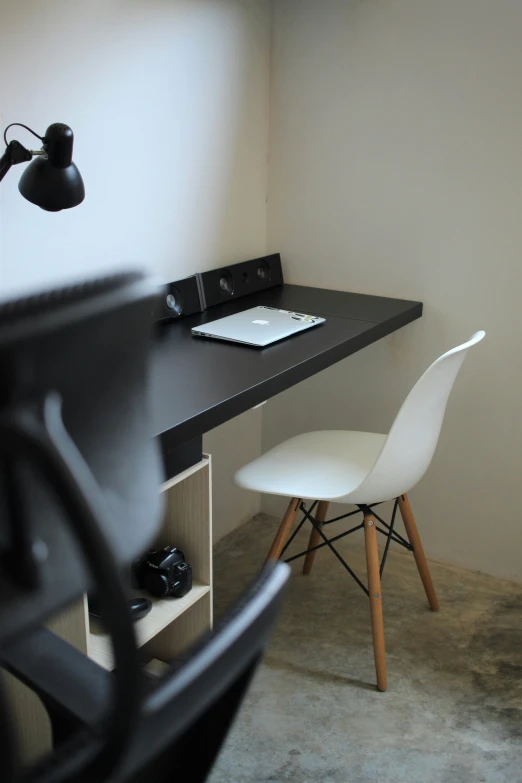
x=180, y=298
x=236, y=280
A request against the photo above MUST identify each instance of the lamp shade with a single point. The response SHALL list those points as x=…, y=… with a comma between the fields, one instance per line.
x=53, y=181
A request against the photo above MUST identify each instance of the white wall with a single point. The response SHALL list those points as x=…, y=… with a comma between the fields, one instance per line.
x=396, y=169
x=168, y=100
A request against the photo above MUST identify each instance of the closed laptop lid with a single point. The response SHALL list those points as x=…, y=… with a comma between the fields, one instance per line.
x=258, y=326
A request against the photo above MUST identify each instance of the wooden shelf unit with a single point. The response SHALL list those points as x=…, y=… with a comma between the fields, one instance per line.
x=167, y=630
x=187, y=524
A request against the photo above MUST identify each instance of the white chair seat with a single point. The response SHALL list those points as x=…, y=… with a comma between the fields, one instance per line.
x=327, y=465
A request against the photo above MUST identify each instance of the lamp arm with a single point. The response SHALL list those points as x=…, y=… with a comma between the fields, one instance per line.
x=14, y=153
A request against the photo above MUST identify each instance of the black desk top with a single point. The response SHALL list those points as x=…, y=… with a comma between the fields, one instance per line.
x=198, y=384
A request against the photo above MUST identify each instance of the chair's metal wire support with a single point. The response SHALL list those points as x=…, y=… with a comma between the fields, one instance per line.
x=390, y=533
x=349, y=514
x=298, y=528
x=328, y=543
x=395, y=536
x=389, y=538
x=320, y=546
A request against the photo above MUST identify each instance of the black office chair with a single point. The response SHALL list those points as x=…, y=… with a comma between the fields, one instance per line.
x=185, y=716
x=79, y=470
x=78, y=501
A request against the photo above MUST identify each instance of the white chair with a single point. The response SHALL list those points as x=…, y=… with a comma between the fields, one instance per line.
x=364, y=469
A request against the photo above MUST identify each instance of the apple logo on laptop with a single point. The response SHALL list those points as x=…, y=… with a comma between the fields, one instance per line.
x=260, y=321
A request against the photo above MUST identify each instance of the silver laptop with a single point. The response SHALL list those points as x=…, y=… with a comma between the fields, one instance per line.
x=258, y=326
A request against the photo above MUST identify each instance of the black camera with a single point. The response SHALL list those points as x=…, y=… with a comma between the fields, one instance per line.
x=164, y=572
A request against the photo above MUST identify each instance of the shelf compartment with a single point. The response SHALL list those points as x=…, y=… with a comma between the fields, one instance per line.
x=164, y=611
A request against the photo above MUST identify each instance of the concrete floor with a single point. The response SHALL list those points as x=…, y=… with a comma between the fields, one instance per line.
x=453, y=710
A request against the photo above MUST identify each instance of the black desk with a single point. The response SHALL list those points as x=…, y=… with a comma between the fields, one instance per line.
x=198, y=384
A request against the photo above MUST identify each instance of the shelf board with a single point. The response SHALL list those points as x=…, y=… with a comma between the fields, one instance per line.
x=185, y=474
x=163, y=612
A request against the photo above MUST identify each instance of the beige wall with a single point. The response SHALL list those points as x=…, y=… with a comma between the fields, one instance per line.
x=396, y=169
x=169, y=105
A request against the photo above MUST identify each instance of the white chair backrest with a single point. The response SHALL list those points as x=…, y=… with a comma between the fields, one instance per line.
x=411, y=443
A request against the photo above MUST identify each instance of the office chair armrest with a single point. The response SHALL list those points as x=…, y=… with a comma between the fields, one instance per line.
x=75, y=691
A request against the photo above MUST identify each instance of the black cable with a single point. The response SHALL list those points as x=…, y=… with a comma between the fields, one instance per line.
x=20, y=125
x=44, y=440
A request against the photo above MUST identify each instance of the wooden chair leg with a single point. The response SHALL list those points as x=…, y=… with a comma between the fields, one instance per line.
x=284, y=530
x=374, y=588
x=315, y=538
x=418, y=552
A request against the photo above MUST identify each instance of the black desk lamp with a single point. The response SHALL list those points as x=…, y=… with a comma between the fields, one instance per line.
x=52, y=181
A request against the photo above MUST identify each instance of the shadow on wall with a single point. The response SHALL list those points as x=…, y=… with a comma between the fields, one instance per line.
x=169, y=103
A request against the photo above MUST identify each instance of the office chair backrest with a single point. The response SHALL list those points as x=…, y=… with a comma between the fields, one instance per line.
x=411, y=443
x=88, y=345
x=187, y=716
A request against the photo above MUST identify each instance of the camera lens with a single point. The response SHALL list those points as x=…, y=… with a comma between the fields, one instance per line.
x=157, y=584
